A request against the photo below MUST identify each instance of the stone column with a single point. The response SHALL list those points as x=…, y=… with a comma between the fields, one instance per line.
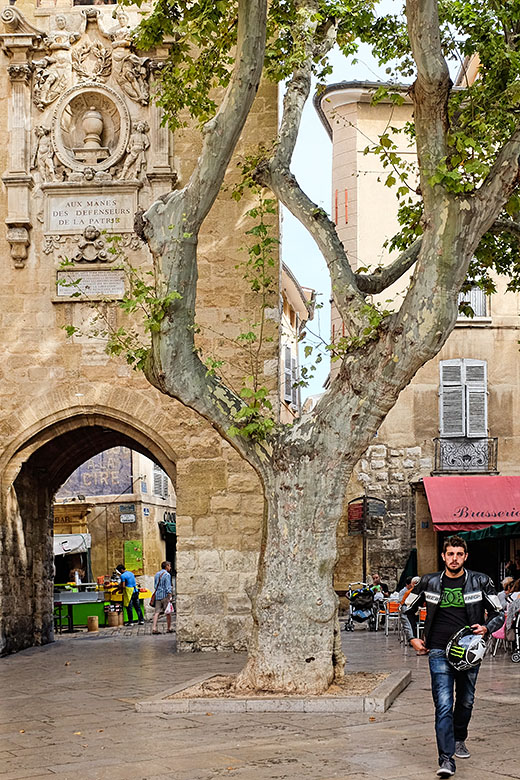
x=18, y=44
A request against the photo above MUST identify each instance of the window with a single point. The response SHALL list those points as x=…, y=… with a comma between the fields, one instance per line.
x=287, y=375
x=160, y=482
x=476, y=298
x=463, y=398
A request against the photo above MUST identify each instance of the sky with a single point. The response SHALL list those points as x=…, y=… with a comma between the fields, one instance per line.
x=312, y=166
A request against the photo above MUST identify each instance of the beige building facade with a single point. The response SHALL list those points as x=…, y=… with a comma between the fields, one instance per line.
x=460, y=414
x=83, y=150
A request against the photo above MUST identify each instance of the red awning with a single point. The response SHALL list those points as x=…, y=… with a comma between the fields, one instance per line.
x=469, y=503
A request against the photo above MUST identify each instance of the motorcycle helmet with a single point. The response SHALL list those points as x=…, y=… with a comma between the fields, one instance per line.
x=465, y=649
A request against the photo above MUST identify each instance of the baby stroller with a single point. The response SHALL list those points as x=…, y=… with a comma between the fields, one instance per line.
x=361, y=606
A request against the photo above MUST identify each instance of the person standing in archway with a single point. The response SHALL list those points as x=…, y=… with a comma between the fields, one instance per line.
x=130, y=593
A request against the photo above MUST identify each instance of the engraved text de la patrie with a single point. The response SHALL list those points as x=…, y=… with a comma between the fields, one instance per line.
x=102, y=212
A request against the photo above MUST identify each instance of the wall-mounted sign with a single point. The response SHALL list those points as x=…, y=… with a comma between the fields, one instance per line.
x=127, y=513
x=73, y=213
x=133, y=553
x=90, y=283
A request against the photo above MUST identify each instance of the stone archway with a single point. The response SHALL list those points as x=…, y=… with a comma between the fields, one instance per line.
x=37, y=469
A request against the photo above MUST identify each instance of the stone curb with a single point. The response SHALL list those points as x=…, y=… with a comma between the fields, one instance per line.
x=379, y=700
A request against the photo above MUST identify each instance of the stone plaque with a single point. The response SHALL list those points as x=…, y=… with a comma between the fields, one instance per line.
x=73, y=213
x=91, y=283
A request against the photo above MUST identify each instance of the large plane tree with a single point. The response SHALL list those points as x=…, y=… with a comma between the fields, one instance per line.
x=461, y=221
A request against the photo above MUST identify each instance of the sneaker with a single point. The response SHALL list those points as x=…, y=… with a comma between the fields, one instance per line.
x=141, y=622
x=461, y=751
x=446, y=769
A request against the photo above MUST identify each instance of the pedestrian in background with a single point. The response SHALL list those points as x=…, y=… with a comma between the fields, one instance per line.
x=130, y=591
x=162, y=583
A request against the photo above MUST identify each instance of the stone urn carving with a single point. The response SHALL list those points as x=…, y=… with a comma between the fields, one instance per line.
x=93, y=127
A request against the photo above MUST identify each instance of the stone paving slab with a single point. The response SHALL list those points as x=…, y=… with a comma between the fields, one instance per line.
x=379, y=700
x=77, y=684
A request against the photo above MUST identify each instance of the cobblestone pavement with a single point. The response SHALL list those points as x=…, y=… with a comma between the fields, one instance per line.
x=67, y=713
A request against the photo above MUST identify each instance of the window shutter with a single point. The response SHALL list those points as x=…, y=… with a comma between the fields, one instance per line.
x=287, y=392
x=475, y=372
x=463, y=398
x=294, y=386
x=476, y=406
x=452, y=411
x=476, y=397
x=160, y=482
x=451, y=372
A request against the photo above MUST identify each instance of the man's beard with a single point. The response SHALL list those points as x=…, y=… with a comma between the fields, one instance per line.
x=455, y=571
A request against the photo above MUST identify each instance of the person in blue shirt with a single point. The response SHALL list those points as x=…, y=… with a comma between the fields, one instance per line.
x=130, y=593
x=163, y=595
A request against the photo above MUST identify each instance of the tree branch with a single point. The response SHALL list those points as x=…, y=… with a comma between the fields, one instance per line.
x=386, y=275
x=222, y=132
x=171, y=228
x=498, y=184
x=505, y=226
x=430, y=91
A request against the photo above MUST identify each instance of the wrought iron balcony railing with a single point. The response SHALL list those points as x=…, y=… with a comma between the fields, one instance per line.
x=466, y=455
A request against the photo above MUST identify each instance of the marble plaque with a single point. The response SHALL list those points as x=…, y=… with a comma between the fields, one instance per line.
x=92, y=284
x=73, y=213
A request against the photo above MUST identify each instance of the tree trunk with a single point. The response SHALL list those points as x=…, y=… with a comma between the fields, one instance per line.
x=295, y=646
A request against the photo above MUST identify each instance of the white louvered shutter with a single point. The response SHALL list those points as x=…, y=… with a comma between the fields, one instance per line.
x=287, y=371
x=294, y=387
x=476, y=398
x=452, y=399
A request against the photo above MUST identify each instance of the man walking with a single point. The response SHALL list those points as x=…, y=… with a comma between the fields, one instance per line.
x=455, y=598
x=162, y=583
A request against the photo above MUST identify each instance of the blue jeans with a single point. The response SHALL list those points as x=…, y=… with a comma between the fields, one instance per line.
x=451, y=722
x=135, y=603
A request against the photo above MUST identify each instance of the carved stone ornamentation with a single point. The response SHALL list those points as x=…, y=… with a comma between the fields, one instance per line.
x=19, y=72
x=91, y=129
x=19, y=241
x=92, y=248
x=132, y=74
x=16, y=23
x=92, y=61
x=130, y=241
x=135, y=162
x=61, y=37
x=52, y=243
x=43, y=155
x=53, y=77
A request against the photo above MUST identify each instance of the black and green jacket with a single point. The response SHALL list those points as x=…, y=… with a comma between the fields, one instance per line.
x=479, y=598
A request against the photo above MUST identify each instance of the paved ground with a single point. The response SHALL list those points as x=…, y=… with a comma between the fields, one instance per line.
x=67, y=713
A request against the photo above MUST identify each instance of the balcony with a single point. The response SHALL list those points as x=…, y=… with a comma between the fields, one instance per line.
x=466, y=456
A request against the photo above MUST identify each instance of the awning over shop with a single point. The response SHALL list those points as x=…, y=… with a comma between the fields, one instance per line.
x=65, y=544
x=499, y=531
x=470, y=503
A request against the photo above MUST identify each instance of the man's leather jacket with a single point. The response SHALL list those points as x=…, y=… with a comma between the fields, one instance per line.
x=479, y=597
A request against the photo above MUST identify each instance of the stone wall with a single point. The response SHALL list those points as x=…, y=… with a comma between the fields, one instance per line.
x=386, y=473
x=62, y=399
